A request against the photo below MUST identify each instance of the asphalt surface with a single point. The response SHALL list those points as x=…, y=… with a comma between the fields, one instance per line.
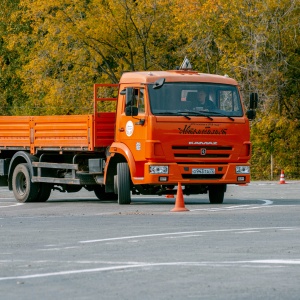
x=76, y=247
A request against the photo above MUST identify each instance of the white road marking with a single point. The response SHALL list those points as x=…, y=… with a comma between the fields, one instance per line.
x=237, y=207
x=148, y=266
x=249, y=231
x=181, y=233
x=277, y=261
x=61, y=273
x=267, y=202
x=228, y=208
x=59, y=248
x=11, y=205
x=183, y=236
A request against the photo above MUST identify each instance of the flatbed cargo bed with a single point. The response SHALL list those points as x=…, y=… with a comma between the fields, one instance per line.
x=57, y=133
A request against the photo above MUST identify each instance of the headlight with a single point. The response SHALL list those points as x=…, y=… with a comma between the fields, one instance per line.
x=159, y=170
x=242, y=170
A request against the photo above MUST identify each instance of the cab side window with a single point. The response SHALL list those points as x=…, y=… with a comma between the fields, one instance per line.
x=137, y=100
x=140, y=100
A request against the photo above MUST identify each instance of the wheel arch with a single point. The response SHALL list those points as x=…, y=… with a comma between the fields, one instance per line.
x=19, y=158
x=118, y=153
x=111, y=170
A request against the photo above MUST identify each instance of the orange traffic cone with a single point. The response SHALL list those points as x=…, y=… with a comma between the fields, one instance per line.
x=179, y=202
x=282, y=180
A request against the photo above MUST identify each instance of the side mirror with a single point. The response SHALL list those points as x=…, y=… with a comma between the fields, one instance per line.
x=131, y=111
x=251, y=114
x=253, y=100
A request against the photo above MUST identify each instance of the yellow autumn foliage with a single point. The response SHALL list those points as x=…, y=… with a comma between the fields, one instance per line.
x=52, y=52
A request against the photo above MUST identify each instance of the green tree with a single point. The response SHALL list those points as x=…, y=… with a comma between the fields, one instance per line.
x=11, y=94
x=248, y=40
x=52, y=52
x=78, y=43
x=276, y=137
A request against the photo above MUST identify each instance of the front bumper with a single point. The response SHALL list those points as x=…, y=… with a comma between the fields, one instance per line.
x=223, y=174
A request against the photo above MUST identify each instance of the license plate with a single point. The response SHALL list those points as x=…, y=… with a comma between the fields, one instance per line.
x=203, y=171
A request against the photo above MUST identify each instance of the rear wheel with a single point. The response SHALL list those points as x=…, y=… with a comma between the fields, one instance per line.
x=123, y=183
x=24, y=190
x=216, y=193
x=44, y=192
x=102, y=195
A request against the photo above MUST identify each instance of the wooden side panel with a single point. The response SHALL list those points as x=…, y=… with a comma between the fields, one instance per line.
x=78, y=132
x=14, y=132
x=63, y=132
x=104, y=129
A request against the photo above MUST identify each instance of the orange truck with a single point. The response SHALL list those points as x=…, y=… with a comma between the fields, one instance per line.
x=148, y=133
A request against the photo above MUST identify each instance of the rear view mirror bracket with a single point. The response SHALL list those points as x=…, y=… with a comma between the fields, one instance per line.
x=159, y=83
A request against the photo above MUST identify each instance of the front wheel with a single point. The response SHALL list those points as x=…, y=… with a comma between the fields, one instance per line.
x=216, y=193
x=123, y=183
x=24, y=190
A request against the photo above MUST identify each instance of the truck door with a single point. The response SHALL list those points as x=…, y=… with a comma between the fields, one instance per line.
x=132, y=126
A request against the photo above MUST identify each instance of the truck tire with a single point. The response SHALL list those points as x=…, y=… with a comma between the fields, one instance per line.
x=44, y=192
x=24, y=190
x=123, y=183
x=103, y=196
x=216, y=193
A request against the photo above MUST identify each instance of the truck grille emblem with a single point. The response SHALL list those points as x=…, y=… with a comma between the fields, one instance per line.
x=202, y=151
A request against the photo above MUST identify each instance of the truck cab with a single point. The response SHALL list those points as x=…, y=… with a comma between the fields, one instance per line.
x=178, y=126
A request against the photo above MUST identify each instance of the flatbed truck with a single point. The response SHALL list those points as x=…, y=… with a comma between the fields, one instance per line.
x=147, y=134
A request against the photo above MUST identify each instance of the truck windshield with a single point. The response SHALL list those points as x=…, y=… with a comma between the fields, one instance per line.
x=195, y=99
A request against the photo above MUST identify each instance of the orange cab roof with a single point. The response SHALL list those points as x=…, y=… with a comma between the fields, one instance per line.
x=174, y=76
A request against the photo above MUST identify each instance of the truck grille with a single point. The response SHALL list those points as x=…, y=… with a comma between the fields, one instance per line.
x=202, y=152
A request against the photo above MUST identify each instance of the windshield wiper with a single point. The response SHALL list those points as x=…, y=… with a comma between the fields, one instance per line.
x=196, y=113
x=222, y=114
x=169, y=113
